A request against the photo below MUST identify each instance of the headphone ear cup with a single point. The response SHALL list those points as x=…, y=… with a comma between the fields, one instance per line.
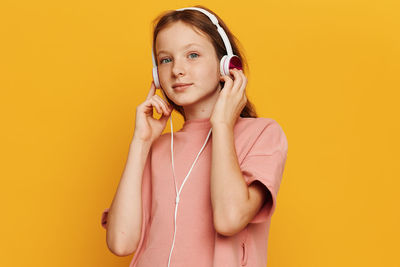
x=155, y=78
x=230, y=62
x=222, y=65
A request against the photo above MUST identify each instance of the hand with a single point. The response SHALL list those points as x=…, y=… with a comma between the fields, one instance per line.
x=146, y=127
x=231, y=101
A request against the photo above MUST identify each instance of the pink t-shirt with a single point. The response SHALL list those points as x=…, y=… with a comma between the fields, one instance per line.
x=261, y=147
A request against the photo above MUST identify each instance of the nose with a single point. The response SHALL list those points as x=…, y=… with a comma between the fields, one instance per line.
x=178, y=67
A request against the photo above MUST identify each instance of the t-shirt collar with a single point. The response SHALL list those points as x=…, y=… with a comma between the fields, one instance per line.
x=196, y=124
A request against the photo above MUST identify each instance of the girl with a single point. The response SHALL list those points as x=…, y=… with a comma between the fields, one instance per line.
x=214, y=206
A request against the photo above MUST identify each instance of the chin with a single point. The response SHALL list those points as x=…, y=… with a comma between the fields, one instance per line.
x=183, y=101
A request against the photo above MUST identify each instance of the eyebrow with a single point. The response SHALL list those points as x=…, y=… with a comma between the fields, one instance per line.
x=186, y=46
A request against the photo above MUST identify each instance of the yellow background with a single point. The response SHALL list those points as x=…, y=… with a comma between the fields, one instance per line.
x=73, y=72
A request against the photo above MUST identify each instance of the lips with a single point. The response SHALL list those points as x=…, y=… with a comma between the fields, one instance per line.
x=181, y=86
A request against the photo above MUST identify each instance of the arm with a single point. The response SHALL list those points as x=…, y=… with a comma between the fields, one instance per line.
x=234, y=203
x=124, y=221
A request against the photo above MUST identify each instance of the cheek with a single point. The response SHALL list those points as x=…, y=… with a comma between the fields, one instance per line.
x=211, y=73
x=214, y=76
x=163, y=75
x=161, y=72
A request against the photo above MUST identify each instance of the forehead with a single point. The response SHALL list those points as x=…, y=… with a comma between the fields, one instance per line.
x=178, y=35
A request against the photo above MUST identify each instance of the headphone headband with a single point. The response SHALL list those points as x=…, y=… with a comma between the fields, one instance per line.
x=227, y=62
x=214, y=20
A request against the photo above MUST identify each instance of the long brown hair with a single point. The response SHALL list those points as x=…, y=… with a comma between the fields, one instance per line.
x=200, y=22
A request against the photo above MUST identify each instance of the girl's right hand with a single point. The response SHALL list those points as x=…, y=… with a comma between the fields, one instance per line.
x=148, y=128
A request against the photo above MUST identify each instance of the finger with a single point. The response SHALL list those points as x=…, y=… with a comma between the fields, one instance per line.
x=162, y=105
x=165, y=102
x=167, y=105
x=152, y=90
x=238, y=79
x=244, y=83
x=161, y=109
x=156, y=105
x=228, y=82
x=164, y=116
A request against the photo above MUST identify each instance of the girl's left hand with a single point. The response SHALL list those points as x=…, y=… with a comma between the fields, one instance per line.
x=231, y=101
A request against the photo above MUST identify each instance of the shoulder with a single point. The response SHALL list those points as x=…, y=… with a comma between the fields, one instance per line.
x=254, y=127
x=264, y=134
x=260, y=121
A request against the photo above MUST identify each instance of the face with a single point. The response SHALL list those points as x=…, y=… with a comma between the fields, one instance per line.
x=187, y=56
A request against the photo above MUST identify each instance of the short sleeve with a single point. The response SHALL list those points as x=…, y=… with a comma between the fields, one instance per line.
x=265, y=162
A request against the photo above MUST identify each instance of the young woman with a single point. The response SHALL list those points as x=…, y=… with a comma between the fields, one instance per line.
x=204, y=195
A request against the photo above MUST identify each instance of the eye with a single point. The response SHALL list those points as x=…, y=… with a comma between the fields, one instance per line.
x=162, y=60
x=197, y=55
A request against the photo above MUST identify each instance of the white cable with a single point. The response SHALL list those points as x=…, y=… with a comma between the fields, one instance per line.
x=176, y=190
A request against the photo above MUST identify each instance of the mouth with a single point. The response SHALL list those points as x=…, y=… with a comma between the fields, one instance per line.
x=181, y=87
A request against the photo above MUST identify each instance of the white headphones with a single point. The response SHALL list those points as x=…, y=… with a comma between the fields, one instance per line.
x=227, y=62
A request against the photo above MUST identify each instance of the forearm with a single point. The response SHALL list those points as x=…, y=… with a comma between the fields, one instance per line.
x=229, y=191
